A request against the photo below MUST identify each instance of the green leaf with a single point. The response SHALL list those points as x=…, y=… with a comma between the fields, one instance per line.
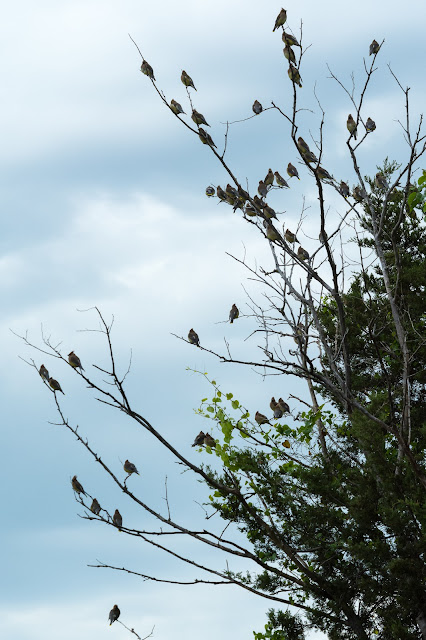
x=235, y=404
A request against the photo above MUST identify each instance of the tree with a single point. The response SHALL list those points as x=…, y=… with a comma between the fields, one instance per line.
x=330, y=501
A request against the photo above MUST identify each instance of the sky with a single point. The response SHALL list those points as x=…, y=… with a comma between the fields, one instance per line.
x=103, y=202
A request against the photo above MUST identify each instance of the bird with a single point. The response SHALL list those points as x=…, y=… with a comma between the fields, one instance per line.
x=130, y=468
x=271, y=233
x=193, y=337
x=95, y=507
x=205, y=137
x=147, y=70
x=294, y=75
x=292, y=171
x=289, y=54
x=275, y=409
x=257, y=107
x=358, y=193
x=262, y=189
x=323, y=237
x=269, y=212
x=176, y=107
x=54, y=384
x=299, y=334
x=374, y=47
x=44, y=373
x=78, y=488
x=323, y=174
x=117, y=519
x=280, y=180
x=370, y=125
x=114, y=614
x=269, y=179
x=290, y=237
x=199, y=440
x=290, y=40
x=209, y=441
x=344, y=189
x=74, y=361
x=198, y=118
x=220, y=193
x=380, y=181
x=231, y=191
x=302, y=253
x=210, y=191
x=351, y=125
x=302, y=145
x=281, y=18
x=234, y=313
x=187, y=80
x=260, y=418
x=250, y=210
x=309, y=157
x=283, y=406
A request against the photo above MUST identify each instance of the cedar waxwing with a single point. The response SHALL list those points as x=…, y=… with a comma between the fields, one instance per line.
x=260, y=418
x=130, y=468
x=283, y=406
x=231, y=191
x=78, y=488
x=147, y=70
x=380, y=181
x=209, y=441
x=220, y=194
x=262, y=189
x=309, y=157
x=294, y=75
x=351, y=125
x=54, y=384
x=193, y=337
x=275, y=409
x=257, y=107
x=234, y=313
x=44, y=373
x=187, y=80
x=370, y=125
x=205, y=137
x=323, y=236
x=95, y=507
x=199, y=440
x=374, y=47
x=290, y=40
x=210, y=191
x=358, y=193
x=250, y=210
x=302, y=145
x=280, y=180
x=269, y=177
x=302, y=253
x=269, y=212
x=292, y=171
x=290, y=237
x=114, y=614
x=198, y=118
x=74, y=361
x=323, y=174
x=176, y=107
x=271, y=233
x=299, y=335
x=281, y=18
x=117, y=519
x=344, y=189
x=289, y=54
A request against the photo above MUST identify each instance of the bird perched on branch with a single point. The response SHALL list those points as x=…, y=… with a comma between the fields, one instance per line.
x=262, y=189
x=292, y=171
x=78, y=488
x=374, y=47
x=130, y=468
x=198, y=118
x=199, y=440
x=187, y=80
x=323, y=174
x=302, y=253
x=257, y=107
x=114, y=614
x=234, y=313
x=44, y=373
x=220, y=193
x=210, y=191
x=250, y=210
x=370, y=125
x=359, y=193
x=205, y=137
x=302, y=145
x=193, y=337
x=289, y=54
x=275, y=409
x=283, y=406
x=176, y=107
x=271, y=233
x=95, y=507
x=294, y=75
x=351, y=126
x=290, y=237
x=380, y=181
x=344, y=189
x=117, y=519
x=290, y=40
x=260, y=418
x=74, y=361
x=323, y=236
x=281, y=18
x=147, y=70
x=280, y=180
x=269, y=212
x=54, y=384
x=231, y=191
x=269, y=179
x=209, y=441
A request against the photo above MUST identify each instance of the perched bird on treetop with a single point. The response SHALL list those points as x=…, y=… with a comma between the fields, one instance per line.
x=130, y=468
x=359, y=194
x=78, y=488
x=95, y=507
x=323, y=236
x=323, y=174
x=290, y=237
x=380, y=181
x=176, y=107
x=289, y=54
x=193, y=337
x=205, y=137
x=292, y=171
x=344, y=189
x=262, y=189
x=231, y=191
x=220, y=193
x=280, y=180
x=210, y=191
x=310, y=157
x=302, y=145
x=290, y=40
x=74, y=361
x=199, y=440
x=250, y=210
x=283, y=406
x=370, y=125
x=374, y=47
x=44, y=372
x=294, y=75
x=281, y=18
x=117, y=519
x=257, y=107
x=114, y=614
x=234, y=313
x=147, y=70
x=302, y=253
x=54, y=384
x=275, y=409
x=187, y=80
x=269, y=177
x=271, y=233
x=198, y=118
x=269, y=212
x=260, y=418
x=351, y=125
x=209, y=441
